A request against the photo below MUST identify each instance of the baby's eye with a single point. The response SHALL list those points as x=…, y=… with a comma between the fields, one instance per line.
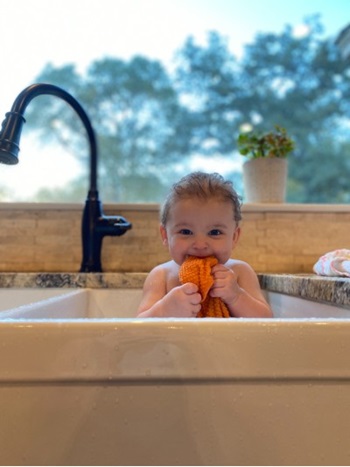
x=185, y=232
x=215, y=232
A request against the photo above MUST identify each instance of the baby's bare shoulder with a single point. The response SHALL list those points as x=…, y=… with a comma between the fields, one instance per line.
x=162, y=272
x=236, y=263
x=239, y=267
x=164, y=275
x=164, y=268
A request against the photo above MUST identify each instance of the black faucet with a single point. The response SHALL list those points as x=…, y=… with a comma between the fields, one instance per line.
x=95, y=225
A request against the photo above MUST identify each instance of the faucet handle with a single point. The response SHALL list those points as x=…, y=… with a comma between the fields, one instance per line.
x=113, y=225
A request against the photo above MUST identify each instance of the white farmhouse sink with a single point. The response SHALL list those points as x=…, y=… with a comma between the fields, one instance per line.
x=17, y=297
x=85, y=382
x=71, y=304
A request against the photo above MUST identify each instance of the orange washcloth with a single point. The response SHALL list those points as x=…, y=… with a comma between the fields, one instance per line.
x=198, y=271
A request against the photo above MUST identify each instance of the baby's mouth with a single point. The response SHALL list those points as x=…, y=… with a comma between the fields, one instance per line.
x=199, y=256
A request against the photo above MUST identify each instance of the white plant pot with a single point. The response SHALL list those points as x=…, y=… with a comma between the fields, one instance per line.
x=265, y=180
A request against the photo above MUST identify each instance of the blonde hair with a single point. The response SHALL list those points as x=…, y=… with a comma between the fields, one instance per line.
x=203, y=186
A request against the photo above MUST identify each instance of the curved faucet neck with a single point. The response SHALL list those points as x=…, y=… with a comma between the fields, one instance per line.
x=28, y=94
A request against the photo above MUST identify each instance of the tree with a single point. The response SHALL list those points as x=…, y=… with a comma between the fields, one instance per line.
x=298, y=83
x=149, y=121
x=141, y=127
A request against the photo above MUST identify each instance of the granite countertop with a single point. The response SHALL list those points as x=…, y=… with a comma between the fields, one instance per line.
x=109, y=280
x=334, y=290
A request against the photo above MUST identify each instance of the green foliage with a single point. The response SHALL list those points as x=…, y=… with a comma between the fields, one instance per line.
x=302, y=83
x=149, y=121
x=274, y=143
x=141, y=127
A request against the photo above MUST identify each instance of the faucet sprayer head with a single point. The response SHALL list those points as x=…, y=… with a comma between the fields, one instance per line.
x=7, y=158
x=9, y=137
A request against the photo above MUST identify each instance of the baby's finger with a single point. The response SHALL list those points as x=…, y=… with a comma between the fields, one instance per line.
x=219, y=267
x=190, y=288
x=196, y=310
x=196, y=299
x=220, y=274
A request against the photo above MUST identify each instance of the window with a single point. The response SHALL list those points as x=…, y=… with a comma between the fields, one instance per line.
x=168, y=85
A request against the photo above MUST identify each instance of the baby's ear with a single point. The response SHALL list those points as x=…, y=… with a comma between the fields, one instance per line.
x=163, y=234
x=236, y=236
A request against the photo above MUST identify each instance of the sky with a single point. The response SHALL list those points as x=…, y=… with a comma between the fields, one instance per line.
x=35, y=32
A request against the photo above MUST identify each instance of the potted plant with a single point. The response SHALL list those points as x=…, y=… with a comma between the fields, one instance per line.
x=265, y=171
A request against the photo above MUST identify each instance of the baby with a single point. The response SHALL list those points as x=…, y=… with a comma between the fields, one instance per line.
x=200, y=217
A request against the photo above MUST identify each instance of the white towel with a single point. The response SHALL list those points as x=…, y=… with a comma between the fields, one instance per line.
x=334, y=263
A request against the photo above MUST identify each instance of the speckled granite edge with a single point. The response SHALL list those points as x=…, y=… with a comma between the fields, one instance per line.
x=73, y=280
x=334, y=290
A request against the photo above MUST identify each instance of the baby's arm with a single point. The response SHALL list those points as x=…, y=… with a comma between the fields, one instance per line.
x=180, y=302
x=239, y=288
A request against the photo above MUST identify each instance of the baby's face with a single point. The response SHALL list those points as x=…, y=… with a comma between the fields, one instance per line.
x=200, y=228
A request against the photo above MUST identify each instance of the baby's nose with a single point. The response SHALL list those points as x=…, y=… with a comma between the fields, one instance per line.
x=200, y=243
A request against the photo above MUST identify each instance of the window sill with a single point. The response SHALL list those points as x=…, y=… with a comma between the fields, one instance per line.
x=249, y=207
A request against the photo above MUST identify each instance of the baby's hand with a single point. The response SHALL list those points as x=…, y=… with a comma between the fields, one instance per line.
x=182, y=301
x=225, y=284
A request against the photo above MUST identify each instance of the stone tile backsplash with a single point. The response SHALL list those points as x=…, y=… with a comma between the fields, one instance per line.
x=48, y=238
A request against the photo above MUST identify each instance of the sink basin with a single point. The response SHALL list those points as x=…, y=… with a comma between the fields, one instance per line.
x=83, y=382
x=122, y=303
x=70, y=304
x=17, y=297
